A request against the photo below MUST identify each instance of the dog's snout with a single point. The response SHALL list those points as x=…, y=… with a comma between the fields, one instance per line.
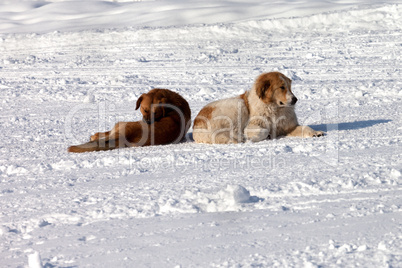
x=148, y=121
x=294, y=100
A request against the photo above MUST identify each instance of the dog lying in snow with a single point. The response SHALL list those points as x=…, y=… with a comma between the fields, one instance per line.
x=265, y=111
x=166, y=119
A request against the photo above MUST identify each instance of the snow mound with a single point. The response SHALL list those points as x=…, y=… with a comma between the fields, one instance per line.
x=235, y=194
x=41, y=16
x=232, y=198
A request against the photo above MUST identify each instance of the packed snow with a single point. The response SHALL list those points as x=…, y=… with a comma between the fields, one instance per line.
x=44, y=16
x=69, y=69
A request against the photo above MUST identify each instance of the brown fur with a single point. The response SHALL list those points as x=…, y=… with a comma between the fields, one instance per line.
x=203, y=117
x=272, y=87
x=244, y=97
x=162, y=124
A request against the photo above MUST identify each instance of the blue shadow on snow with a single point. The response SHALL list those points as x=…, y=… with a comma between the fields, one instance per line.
x=349, y=125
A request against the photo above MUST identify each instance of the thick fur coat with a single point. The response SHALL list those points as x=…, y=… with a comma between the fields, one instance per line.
x=166, y=119
x=265, y=111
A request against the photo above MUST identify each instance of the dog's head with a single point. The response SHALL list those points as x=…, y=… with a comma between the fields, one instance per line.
x=152, y=106
x=275, y=87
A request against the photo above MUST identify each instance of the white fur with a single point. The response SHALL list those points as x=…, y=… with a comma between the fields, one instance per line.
x=268, y=118
x=231, y=121
x=227, y=122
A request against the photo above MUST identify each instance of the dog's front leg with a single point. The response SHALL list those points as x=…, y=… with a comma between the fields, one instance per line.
x=305, y=132
x=100, y=135
x=118, y=129
x=255, y=133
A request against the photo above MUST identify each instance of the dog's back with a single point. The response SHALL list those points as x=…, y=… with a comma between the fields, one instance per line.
x=221, y=122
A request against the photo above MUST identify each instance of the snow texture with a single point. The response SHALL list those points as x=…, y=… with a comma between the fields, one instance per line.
x=69, y=69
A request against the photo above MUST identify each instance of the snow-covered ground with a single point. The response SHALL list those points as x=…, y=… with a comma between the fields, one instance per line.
x=72, y=68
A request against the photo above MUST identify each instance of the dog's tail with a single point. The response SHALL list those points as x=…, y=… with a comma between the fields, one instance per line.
x=93, y=146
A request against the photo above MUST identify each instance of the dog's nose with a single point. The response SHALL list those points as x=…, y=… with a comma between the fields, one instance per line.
x=148, y=121
x=294, y=100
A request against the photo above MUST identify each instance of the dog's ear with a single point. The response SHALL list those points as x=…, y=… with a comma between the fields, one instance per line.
x=261, y=87
x=139, y=102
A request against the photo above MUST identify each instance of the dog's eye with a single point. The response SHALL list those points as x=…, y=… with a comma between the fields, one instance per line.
x=283, y=88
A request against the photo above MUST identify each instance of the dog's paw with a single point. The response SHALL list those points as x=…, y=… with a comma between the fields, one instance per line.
x=94, y=137
x=255, y=134
x=318, y=133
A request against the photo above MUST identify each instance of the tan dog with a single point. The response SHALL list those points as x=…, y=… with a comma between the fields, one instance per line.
x=265, y=111
x=166, y=119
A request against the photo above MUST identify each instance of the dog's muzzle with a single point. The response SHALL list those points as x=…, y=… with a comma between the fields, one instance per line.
x=149, y=122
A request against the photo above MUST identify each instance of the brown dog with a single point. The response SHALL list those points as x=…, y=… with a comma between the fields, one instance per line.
x=166, y=119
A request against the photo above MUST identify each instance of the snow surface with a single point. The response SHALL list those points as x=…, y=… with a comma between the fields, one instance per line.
x=45, y=16
x=69, y=69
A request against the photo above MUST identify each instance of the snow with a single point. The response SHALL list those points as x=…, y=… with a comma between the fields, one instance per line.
x=45, y=16
x=34, y=260
x=72, y=68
